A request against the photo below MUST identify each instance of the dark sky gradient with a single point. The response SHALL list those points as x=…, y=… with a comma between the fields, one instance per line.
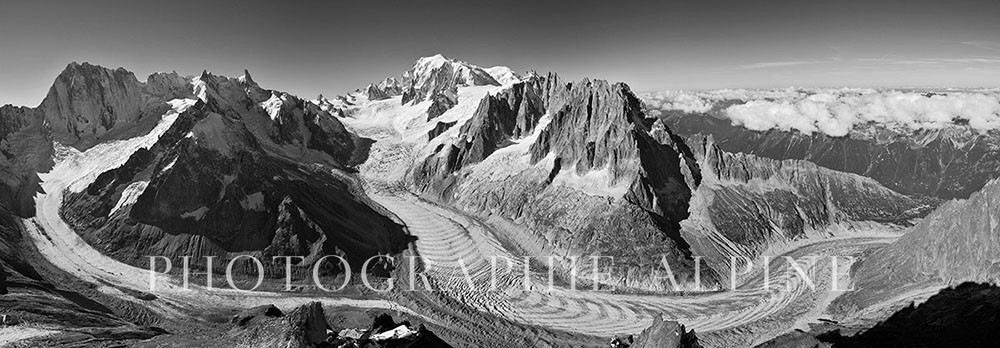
x=331, y=47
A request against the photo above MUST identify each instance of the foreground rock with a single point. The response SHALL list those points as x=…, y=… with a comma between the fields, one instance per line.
x=307, y=327
x=665, y=334
x=386, y=333
x=302, y=328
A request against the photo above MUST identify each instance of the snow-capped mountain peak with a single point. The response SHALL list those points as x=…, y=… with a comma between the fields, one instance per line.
x=438, y=68
x=506, y=76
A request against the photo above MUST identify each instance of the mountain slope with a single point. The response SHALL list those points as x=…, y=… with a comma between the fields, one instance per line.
x=575, y=164
x=944, y=163
x=241, y=170
x=748, y=205
x=958, y=242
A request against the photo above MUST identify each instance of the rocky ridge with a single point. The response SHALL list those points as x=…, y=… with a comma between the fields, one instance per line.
x=747, y=204
x=945, y=163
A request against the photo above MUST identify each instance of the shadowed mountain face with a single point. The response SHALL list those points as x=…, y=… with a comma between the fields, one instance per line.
x=946, y=163
x=243, y=170
x=966, y=315
x=25, y=150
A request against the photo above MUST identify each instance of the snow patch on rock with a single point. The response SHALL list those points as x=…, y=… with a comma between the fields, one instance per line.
x=273, y=105
x=112, y=154
x=129, y=195
x=253, y=201
x=196, y=214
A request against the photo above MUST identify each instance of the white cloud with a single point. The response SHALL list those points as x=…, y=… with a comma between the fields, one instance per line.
x=836, y=112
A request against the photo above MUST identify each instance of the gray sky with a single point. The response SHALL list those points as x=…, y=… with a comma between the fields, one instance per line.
x=331, y=47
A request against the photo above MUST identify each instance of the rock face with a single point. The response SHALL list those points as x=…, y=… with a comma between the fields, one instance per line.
x=255, y=314
x=510, y=114
x=391, y=86
x=666, y=334
x=88, y=103
x=746, y=204
x=946, y=163
x=25, y=150
x=375, y=93
x=243, y=171
x=957, y=242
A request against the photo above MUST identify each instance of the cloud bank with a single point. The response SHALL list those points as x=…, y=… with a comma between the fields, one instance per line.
x=836, y=112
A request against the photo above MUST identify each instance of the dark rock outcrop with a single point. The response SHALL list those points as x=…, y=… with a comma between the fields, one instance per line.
x=391, y=86
x=25, y=150
x=251, y=315
x=386, y=333
x=304, y=327
x=510, y=114
x=440, y=103
x=375, y=93
x=666, y=334
x=439, y=127
x=307, y=325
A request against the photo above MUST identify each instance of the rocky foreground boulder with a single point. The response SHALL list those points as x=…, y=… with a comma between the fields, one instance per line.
x=661, y=334
x=307, y=327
